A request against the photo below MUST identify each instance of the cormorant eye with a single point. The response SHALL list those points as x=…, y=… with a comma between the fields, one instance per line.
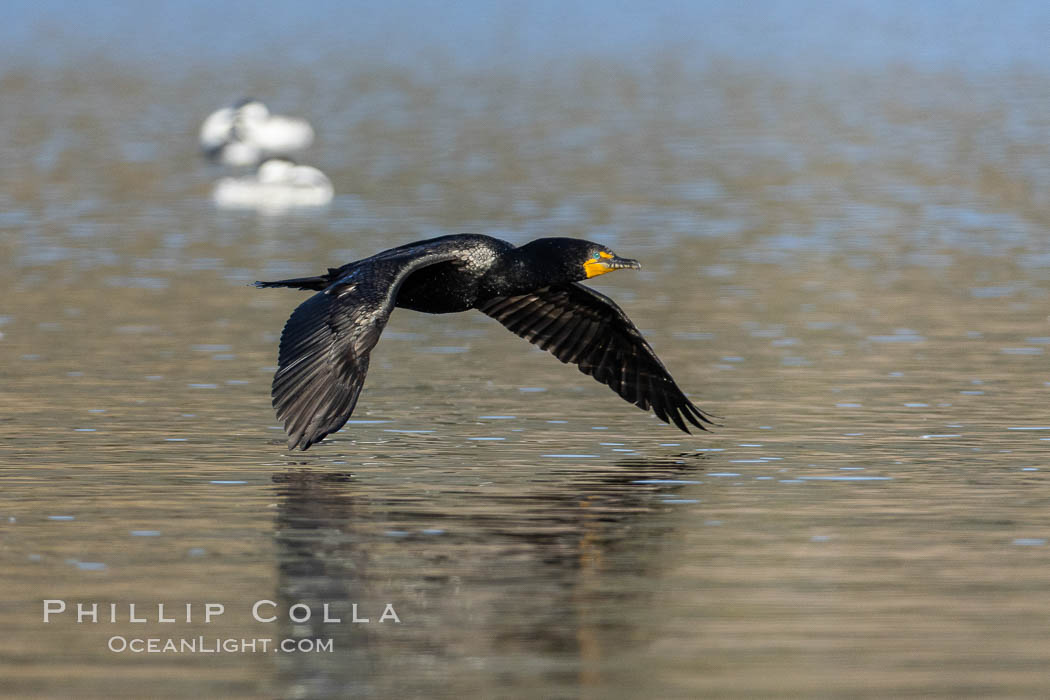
x=597, y=256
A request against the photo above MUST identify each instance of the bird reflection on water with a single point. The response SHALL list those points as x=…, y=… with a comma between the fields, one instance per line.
x=498, y=574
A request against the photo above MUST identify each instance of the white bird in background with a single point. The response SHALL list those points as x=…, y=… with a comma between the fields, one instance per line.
x=246, y=134
x=277, y=185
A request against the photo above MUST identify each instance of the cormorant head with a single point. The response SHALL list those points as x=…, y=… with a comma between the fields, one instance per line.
x=577, y=259
x=600, y=260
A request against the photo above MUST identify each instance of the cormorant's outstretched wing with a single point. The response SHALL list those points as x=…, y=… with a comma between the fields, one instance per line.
x=579, y=325
x=326, y=343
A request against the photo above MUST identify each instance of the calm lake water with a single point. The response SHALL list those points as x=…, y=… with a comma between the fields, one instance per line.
x=851, y=268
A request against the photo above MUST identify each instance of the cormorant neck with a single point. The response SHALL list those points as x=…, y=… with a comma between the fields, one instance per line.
x=527, y=268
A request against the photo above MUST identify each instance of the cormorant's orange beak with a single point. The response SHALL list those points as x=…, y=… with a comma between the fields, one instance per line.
x=607, y=263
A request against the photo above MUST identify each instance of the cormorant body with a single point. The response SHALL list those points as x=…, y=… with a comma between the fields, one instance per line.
x=534, y=290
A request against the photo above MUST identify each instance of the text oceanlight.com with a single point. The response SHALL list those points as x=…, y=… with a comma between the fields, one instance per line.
x=216, y=645
x=168, y=617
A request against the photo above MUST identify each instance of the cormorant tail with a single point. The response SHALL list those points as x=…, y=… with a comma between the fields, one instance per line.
x=313, y=283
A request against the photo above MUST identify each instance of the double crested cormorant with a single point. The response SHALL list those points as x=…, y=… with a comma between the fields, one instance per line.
x=534, y=290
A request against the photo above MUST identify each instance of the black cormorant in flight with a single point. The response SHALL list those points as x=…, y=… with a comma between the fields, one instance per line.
x=534, y=290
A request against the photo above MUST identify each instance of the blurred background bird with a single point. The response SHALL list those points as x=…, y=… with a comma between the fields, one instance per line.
x=278, y=184
x=246, y=133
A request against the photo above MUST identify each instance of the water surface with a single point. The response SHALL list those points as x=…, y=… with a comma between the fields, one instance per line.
x=851, y=269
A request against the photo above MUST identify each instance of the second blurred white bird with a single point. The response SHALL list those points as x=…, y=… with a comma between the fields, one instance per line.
x=277, y=185
x=246, y=134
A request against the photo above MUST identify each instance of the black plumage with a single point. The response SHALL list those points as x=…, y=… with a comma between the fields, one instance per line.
x=533, y=290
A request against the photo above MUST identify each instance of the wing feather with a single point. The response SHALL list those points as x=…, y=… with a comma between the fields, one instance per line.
x=325, y=345
x=581, y=326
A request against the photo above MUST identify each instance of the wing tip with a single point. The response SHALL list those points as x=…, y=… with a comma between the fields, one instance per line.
x=696, y=416
x=303, y=443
